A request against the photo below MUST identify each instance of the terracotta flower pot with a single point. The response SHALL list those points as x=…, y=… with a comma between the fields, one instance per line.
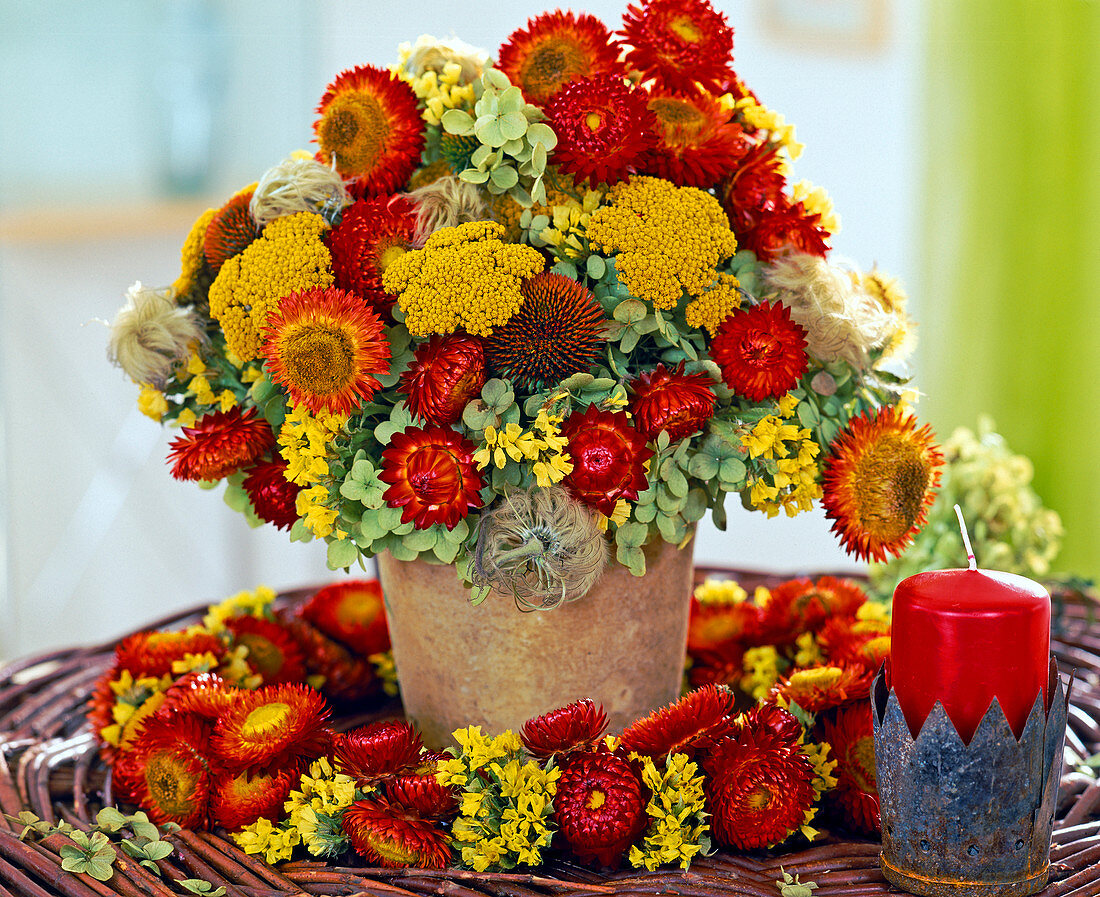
x=496, y=666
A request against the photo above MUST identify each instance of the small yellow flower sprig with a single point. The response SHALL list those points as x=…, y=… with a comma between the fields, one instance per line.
x=274, y=842
x=759, y=118
x=785, y=473
x=563, y=231
x=823, y=780
x=761, y=670
x=135, y=699
x=506, y=805
x=677, y=829
x=542, y=445
x=305, y=442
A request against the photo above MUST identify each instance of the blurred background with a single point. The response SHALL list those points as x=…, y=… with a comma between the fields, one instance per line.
x=960, y=144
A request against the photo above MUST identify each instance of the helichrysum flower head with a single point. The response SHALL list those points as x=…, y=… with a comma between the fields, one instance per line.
x=273, y=654
x=673, y=401
x=388, y=835
x=678, y=42
x=375, y=751
x=761, y=351
x=608, y=455
x=237, y=800
x=446, y=372
x=272, y=495
x=575, y=727
x=697, y=144
x=431, y=476
x=684, y=726
x=880, y=479
x=369, y=126
x=851, y=737
x=352, y=612
x=600, y=806
x=220, y=443
x=555, y=48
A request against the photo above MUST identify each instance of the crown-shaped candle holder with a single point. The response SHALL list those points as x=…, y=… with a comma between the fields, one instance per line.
x=968, y=819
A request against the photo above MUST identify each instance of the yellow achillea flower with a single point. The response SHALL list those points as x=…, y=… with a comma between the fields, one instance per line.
x=465, y=276
x=276, y=843
x=244, y=604
x=715, y=305
x=677, y=831
x=288, y=257
x=152, y=402
x=191, y=257
x=761, y=667
x=720, y=592
x=667, y=240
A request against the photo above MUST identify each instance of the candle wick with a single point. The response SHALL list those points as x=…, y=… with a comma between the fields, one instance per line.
x=966, y=539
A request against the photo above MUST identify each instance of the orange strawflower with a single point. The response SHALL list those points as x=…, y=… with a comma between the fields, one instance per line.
x=351, y=612
x=671, y=400
x=608, y=457
x=274, y=498
x=852, y=738
x=272, y=728
x=272, y=651
x=697, y=144
x=694, y=722
x=389, y=836
x=239, y=800
x=220, y=443
x=880, y=478
x=153, y=653
x=679, y=42
x=445, y=374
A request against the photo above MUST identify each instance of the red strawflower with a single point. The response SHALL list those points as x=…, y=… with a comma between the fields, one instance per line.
x=446, y=372
x=853, y=642
x=757, y=795
x=432, y=476
x=755, y=187
x=422, y=794
x=720, y=666
x=713, y=626
x=600, y=806
x=671, y=400
x=852, y=738
x=557, y=331
x=166, y=772
x=375, y=751
x=880, y=480
x=771, y=726
x=608, y=457
x=273, y=652
x=274, y=498
x=575, y=727
x=604, y=128
x=153, y=653
x=328, y=348
x=220, y=443
x=272, y=728
x=782, y=229
x=685, y=726
x=346, y=676
x=230, y=231
x=761, y=351
x=351, y=612
x=371, y=234
x=679, y=42
x=801, y=605
x=239, y=800
x=697, y=144
x=823, y=687
x=369, y=121
x=555, y=48
x=203, y=694
x=389, y=836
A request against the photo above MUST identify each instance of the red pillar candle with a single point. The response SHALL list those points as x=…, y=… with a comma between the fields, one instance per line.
x=963, y=637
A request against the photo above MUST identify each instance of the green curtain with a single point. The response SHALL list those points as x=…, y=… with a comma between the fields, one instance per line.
x=1010, y=280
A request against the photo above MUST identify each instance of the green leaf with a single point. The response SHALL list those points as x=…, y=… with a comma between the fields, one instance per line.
x=342, y=553
x=703, y=466
x=629, y=311
x=645, y=513
x=455, y=121
x=632, y=534
x=157, y=850
x=538, y=158
x=677, y=483
x=446, y=551
x=513, y=125
x=732, y=470
x=504, y=177
x=109, y=819
x=662, y=444
x=808, y=414
x=632, y=558
x=490, y=132
x=512, y=101
x=596, y=267
x=142, y=827
x=543, y=134
x=496, y=78
x=629, y=341
x=473, y=176
x=199, y=886
x=100, y=869
x=480, y=156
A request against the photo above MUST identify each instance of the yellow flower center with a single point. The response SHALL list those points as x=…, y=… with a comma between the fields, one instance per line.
x=760, y=798
x=552, y=63
x=593, y=120
x=596, y=799
x=681, y=121
x=266, y=718
x=360, y=609
x=354, y=129
x=171, y=784
x=389, y=850
x=862, y=768
x=262, y=653
x=819, y=677
x=319, y=358
x=686, y=29
x=390, y=255
x=889, y=483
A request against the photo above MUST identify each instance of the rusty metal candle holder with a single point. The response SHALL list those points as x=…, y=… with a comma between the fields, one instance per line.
x=970, y=820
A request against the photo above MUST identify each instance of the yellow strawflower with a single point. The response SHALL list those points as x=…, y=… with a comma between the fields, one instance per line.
x=667, y=240
x=465, y=276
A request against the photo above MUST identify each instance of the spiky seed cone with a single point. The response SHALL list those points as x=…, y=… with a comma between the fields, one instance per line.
x=230, y=231
x=557, y=331
x=575, y=727
x=600, y=806
x=446, y=372
x=456, y=150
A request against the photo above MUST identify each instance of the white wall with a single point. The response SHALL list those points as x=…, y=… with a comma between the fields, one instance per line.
x=98, y=538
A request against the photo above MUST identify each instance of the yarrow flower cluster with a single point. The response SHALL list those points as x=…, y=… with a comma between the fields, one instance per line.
x=587, y=267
